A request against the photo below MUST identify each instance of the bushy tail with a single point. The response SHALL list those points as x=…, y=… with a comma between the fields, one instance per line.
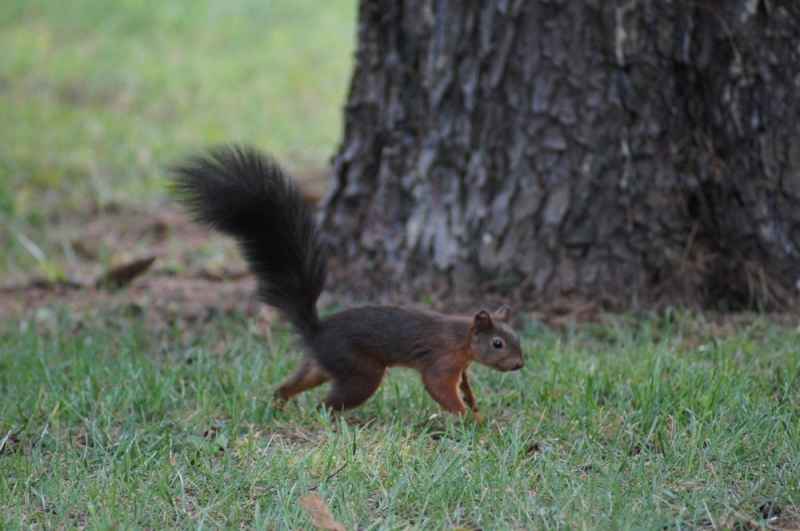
x=243, y=193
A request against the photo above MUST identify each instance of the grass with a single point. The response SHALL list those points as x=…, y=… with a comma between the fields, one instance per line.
x=668, y=423
x=96, y=98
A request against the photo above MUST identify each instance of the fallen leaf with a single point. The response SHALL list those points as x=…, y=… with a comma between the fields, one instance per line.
x=123, y=275
x=321, y=516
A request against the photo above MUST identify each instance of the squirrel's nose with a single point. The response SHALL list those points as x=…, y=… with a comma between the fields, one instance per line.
x=511, y=364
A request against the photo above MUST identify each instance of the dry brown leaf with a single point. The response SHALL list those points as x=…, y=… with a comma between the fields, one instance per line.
x=321, y=516
x=124, y=274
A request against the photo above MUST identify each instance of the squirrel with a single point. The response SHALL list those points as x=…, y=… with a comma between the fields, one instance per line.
x=243, y=193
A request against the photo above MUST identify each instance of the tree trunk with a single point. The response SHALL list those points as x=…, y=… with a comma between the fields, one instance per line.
x=631, y=151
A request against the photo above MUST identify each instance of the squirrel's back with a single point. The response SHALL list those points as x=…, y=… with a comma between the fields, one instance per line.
x=243, y=193
x=395, y=335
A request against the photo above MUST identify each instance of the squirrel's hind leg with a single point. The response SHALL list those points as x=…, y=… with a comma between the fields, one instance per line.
x=354, y=389
x=308, y=376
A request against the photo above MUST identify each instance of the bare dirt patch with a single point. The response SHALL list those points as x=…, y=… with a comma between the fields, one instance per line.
x=181, y=281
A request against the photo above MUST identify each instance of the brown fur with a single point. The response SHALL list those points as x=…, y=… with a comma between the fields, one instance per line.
x=353, y=349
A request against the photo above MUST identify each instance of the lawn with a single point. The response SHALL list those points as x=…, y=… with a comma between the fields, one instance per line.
x=670, y=422
x=134, y=409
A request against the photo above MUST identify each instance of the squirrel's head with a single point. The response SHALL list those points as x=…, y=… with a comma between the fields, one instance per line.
x=493, y=343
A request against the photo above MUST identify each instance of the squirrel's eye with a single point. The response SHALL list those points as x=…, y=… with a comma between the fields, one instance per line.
x=497, y=343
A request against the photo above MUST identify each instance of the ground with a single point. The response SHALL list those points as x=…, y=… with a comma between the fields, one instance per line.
x=159, y=291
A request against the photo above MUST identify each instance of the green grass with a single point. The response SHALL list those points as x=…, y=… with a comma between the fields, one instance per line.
x=670, y=423
x=96, y=98
x=666, y=423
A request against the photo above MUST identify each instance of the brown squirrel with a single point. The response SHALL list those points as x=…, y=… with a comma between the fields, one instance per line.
x=243, y=193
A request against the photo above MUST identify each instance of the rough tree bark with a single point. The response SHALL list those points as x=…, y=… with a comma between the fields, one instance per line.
x=622, y=150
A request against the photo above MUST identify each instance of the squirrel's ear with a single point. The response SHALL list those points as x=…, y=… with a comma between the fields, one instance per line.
x=503, y=314
x=483, y=321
